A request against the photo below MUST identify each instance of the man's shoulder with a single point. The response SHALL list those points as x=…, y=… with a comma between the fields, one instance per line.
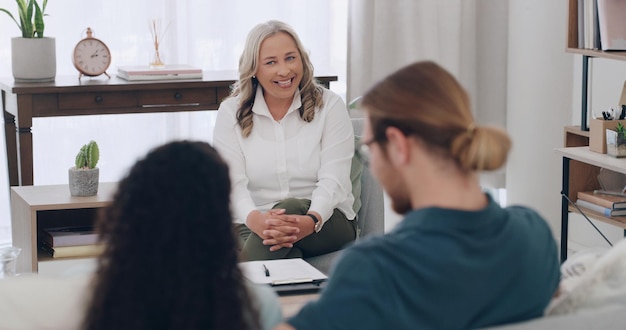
x=373, y=247
x=526, y=216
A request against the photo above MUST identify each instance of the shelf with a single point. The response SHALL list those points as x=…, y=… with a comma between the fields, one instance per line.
x=57, y=197
x=576, y=131
x=572, y=38
x=583, y=154
x=36, y=207
x=615, y=221
x=582, y=166
x=608, y=54
x=575, y=137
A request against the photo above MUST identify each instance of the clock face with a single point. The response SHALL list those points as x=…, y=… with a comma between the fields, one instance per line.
x=91, y=57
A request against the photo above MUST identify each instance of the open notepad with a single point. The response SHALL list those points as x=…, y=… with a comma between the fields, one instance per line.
x=281, y=272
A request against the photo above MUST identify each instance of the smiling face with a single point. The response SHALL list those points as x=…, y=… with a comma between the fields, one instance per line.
x=279, y=68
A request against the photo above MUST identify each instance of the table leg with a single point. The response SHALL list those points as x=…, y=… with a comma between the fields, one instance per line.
x=25, y=160
x=25, y=139
x=564, y=208
x=11, y=145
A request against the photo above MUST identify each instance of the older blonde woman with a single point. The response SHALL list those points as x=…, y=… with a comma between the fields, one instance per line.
x=289, y=144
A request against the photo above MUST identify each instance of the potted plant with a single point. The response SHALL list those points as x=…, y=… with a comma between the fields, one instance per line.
x=33, y=55
x=616, y=141
x=84, y=175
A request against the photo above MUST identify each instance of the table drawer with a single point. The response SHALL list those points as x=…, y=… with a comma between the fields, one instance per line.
x=97, y=100
x=182, y=97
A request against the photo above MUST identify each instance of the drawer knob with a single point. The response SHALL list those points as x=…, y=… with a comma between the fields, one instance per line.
x=178, y=96
x=99, y=99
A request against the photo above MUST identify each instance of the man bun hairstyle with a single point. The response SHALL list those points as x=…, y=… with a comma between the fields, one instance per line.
x=425, y=101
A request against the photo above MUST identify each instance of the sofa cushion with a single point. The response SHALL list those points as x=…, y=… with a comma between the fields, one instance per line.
x=43, y=302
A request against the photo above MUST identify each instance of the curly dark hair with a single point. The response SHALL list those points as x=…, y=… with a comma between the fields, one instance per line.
x=170, y=260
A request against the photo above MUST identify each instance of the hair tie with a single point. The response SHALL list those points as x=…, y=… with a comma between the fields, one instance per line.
x=470, y=128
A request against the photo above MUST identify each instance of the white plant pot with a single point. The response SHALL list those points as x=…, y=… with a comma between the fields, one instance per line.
x=83, y=182
x=33, y=59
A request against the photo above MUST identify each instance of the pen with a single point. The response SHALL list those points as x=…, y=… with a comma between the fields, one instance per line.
x=267, y=271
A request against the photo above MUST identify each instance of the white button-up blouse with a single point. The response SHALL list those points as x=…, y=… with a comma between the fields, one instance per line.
x=288, y=158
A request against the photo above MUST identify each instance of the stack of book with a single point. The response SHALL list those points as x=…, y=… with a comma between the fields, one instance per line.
x=607, y=205
x=601, y=24
x=70, y=242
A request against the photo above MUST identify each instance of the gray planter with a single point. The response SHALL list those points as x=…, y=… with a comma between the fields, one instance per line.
x=83, y=182
x=33, y=59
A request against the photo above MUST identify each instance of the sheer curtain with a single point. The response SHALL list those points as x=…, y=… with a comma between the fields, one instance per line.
x=209, y=34
x=467, y=37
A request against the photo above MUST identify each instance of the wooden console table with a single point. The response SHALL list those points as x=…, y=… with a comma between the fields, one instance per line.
x=69, y=96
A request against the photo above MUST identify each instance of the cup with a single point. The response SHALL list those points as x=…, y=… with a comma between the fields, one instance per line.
x=8, y=261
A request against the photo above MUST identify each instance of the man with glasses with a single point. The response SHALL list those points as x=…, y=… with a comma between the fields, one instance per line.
x=458, y=260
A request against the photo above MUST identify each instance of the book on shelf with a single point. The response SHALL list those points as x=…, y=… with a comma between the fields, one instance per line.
x=607, y=212
x=580, y=15
x=75, y=251
x=612, y=24
x=588, y=25
x=166, y=72
x=608, y=201
x=69, y=236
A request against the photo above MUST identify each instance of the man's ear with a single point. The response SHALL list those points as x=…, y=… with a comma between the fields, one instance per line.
x=398, y=146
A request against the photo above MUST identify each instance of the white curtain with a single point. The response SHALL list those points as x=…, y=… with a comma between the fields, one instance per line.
x=467, y=37
x=206, y=33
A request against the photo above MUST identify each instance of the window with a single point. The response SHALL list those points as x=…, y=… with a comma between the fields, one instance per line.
x=208, y=33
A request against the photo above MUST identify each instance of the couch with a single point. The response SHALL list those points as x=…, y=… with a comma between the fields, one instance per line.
x=605, y=318
x=592, y=293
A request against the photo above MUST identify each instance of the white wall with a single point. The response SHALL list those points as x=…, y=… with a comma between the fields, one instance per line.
x=539, y=104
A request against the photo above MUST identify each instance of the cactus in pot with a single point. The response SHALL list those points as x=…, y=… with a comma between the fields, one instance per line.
x=88, y=156
x=84, y=175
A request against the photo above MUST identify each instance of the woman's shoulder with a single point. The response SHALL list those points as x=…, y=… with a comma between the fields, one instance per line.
x=230, y=103
x=329, y=95
x=228, y=110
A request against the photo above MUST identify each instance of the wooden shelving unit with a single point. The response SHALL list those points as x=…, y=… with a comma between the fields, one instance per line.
x=572, y=47
x=580, y=165
x=34, y=207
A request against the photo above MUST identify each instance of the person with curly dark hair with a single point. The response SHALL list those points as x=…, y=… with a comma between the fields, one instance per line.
x=170, y=258
x=289, y=143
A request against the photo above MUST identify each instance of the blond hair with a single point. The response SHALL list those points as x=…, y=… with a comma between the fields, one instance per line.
x=245, y=87
x=426, y=101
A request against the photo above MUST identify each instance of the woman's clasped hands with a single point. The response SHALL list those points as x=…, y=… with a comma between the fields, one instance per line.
x=278, y=229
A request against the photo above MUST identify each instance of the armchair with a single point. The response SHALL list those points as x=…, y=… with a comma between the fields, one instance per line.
x=371, y=214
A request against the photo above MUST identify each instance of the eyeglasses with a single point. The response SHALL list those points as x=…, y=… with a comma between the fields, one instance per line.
x=362, y=150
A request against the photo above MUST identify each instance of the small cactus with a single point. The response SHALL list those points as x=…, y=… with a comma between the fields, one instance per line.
x=88, y=156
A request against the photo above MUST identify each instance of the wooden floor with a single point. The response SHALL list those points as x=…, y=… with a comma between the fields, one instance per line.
x=291, y=304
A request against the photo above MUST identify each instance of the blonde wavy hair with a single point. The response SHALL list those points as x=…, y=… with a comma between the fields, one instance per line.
x=245, y=87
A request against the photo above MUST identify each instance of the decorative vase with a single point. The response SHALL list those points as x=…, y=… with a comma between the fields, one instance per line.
x=83, y=182
x=33, y=59
x=8, y=261
x=615, y=144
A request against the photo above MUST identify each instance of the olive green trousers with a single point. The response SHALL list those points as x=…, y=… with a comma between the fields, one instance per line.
x=335, y=234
